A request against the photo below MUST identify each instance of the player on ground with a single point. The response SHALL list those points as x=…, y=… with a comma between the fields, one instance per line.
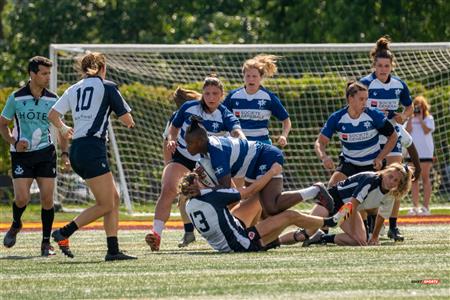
x=218, y=119
x=235, y=230
x=253, y=104
x=366, y=190
x=386, y=93
x=33, y=155
x=91, y=100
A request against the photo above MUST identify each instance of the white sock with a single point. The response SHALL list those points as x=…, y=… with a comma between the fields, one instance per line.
x=158, y=226
x=309, y=193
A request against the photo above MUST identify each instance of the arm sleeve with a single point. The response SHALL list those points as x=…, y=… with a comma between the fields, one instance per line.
x=278, y=109
x=118, y=105
x=361, y=191
x=179, y=117
x=227, y=102
x=10, y=108
x=387, y=129
x=405, y=97
x=62, y=106
x=220, y=162
x=330, y=126
x=229, y=120
x=227, y=196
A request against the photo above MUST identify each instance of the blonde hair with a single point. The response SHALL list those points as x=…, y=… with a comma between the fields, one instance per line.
x=405, y=183
x=382, y=50
x=182, y=95
x=186, y=181
x=422, y=101
x=91, y=63
x=264, y=63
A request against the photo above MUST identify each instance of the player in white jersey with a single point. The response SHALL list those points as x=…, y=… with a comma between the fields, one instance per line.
x=91, y=101
x=366, y=190
x=33, y=155
x=237, y=230
x=359, y=130
x=253, y=104
x=386, y=93
x=218, y=121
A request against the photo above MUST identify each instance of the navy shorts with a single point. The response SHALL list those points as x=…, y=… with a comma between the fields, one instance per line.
x=181, y=159
x=337, y=200
x=33, y=164
x=349, y=169
x=88, y=157
x=266, y=158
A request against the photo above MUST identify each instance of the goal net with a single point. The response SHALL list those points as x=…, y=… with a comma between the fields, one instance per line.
x=310, y=82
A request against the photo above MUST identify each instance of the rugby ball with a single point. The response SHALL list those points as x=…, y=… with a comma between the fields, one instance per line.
x=206, y=173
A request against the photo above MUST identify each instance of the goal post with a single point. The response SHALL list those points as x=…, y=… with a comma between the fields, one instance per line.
x=310, y=82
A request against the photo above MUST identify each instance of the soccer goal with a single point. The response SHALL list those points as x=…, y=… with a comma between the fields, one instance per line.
x=310, y=82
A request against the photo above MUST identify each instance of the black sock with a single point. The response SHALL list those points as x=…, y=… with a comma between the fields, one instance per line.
x=188, y=227
x=371, y=222
x=47, y=217
x=392, y=223
x=113, y=245
x=329, y=222
x=271, y=245
x=69, y=229
x=17, y=215
x=366, y=225
x=328, y=238
x=326, y=230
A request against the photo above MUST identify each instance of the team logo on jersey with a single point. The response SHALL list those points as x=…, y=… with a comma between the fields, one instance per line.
x=251, y=235
x=218, y=170
x=367, y=124
x=398, y=92
x=18, y=170
x=103, y=165
x=237, y=103
x=262, y=168
x=237, y=114
x=215, y=126
x=261, y=103
x=343, y=127
x=374, y=93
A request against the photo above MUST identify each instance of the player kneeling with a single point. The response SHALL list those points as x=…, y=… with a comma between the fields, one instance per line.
x=234, y=231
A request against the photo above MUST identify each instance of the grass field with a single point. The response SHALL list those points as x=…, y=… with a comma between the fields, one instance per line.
x=322, y=272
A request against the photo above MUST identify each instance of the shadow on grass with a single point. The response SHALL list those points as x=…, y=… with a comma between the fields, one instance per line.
x=17, y=257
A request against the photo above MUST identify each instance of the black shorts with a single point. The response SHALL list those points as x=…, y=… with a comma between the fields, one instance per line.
x=421, y=159
x=349, y=169
x=181, y=159
x=337, y=200
x=39, y=163
x=88, y=157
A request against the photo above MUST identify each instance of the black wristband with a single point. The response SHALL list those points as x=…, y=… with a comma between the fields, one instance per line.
x=65, y=153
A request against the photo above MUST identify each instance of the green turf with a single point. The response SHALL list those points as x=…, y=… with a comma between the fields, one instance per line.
x=291, y=272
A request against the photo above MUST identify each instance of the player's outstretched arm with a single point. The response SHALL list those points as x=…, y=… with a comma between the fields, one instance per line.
x=261, y=182
x=55, y=118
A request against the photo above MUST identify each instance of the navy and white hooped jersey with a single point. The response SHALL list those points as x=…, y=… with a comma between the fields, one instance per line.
x=387, y=96
x=91, y=101
x=169, y=122
x=254, y=111
x=220, y=122
x=366, y=188
x=241, y=158
x=359, y=137
x=213, y=220
x=30, y=117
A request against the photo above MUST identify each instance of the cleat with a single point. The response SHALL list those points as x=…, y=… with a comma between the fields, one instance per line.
x=63, y=243
x=315, y=239
x=153, y=240
x=344, y=212
x=188, y=237
x=47, y=249
x=119, y=256
x=325, y=199
x=10, y=237
x=395, y=235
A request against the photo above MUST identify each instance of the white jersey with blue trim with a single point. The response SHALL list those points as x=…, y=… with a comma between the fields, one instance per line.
x=359, y=137
x=254, y=111
x=91, y=101
x=366, y=188
x=213, y=220
x=219, y=122
x=232, y=155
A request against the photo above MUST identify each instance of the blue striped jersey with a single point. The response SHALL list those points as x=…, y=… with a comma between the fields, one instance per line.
x=359, y=137
x=387, y=96
x=211, y=217
x=30, y=117
x=254, y=111
x=219, y=122
x=91, y=101
x=366, y=188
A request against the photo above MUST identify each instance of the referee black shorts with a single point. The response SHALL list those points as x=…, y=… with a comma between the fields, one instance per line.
x=34, y=164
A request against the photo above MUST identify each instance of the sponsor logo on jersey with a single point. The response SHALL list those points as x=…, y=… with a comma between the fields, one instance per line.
x=256, y=115
x=385, y=104
x=358, y=136
x=237, y=114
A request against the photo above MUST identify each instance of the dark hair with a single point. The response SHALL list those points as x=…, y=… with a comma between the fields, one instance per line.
x=211, y=80
x=36, y=61
x=182, y=95
x=354, y=87
x=382, y=50
x=196, y=127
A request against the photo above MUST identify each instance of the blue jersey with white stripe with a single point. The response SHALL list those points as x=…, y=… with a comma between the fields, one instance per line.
x=366, y=188
x=359, y=137
x=91, y=101
x=387, y=96
x=30, y=117
x=254, y=111
x=211, y=217
x=219, y=122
